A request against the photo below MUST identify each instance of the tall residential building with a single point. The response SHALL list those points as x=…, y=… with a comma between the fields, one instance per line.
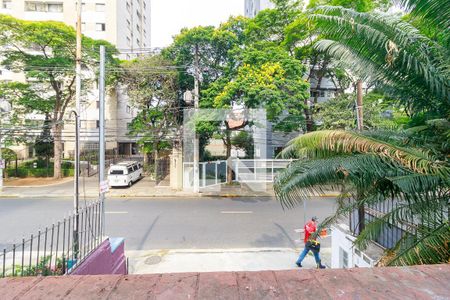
x=253, y=7
x=125, y=24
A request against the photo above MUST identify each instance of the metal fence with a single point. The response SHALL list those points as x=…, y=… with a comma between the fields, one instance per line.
x=57, y=249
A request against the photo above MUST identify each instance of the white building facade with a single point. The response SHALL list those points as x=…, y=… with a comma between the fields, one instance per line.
x=253, y=7
x=125, y=24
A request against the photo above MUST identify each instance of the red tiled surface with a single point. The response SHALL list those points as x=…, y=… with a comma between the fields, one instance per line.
x=420, y=282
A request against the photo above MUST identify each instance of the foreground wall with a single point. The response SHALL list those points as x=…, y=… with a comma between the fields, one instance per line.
x=108, y=258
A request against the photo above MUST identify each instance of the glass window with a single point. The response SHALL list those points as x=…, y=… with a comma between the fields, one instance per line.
x=100, y=26
x=6, y=4
x=116, y=172
x=100, y=7
x=55, y=7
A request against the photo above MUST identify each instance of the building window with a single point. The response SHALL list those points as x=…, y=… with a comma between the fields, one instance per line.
x=138, y=28
x=43, y=7
x=83, y=6
x=128, y=23
x=100, y=26
x=138, y=42
x=6, y=4
x=83, y=26
x=54, y=7
x=100, y=7
x=97, y=124
x=344, y=258
x=128, y=41
x=128, y=6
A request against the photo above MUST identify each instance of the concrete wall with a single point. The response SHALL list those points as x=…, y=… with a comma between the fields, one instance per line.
x=344, y=254
x=108, y=258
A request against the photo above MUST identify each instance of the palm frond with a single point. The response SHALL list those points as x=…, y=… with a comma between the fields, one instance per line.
x=324, y=143
x=436, y=12
x=431, y=248
x=397, y=50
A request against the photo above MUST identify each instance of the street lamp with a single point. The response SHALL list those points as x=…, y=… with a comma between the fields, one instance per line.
x=5, y=107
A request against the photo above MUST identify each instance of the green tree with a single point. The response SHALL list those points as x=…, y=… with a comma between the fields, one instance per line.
x=380, y=112
x=45, y=53
x=44, y=145
x=384, y=48
x=244, y=141
x=152, y=85
x=370, y=172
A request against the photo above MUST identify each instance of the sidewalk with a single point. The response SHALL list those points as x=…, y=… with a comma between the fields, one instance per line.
x=219, y=260
x=144, y=188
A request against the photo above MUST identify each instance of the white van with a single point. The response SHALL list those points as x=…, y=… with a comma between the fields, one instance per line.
x=124, y=173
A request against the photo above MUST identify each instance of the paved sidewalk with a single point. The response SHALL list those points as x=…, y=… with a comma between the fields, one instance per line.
x=144, y=188
x=219, y=260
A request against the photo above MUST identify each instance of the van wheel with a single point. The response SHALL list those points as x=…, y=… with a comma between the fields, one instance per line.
x=130, y=183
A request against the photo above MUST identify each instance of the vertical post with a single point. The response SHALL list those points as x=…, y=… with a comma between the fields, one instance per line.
x=359, y=114
x=101, y=169
x=196, y=104
x=77, y=125
x=216, y=173
x=359, y=105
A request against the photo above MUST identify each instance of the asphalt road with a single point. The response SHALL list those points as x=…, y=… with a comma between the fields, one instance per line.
x=174, y=223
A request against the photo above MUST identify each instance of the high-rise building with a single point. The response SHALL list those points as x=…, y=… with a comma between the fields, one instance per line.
x=253, y=7
x=123, y=23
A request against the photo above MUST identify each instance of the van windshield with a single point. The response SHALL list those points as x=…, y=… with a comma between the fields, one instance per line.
x=116, y=172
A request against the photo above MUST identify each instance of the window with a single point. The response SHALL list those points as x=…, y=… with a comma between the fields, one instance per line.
x=98, y=104
x=54, y=7
x=83, y=26
x=128, y=6
x=343, y=258
x=128, y=41
x=128, y=23
x=138, y=42
x=6, y=4
x=83, y=6
x=138, y=28
x=43, y=7
x=100, y=7
x=97, y=124
x=100, y=26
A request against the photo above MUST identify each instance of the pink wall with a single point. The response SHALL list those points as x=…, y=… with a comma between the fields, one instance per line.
x=108, y=258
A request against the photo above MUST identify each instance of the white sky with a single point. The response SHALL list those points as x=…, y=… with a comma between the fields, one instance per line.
x=170, y=16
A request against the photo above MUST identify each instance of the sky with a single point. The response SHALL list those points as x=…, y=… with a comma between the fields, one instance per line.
x=170, y=16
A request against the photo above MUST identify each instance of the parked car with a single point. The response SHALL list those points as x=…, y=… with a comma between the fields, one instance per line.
x=125, y=173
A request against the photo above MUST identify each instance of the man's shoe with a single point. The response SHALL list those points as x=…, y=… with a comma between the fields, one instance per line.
x=299, y=264
x=321, y=267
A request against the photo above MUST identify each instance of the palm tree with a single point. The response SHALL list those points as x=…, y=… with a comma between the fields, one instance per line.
x=369, y=172
x=387, y=49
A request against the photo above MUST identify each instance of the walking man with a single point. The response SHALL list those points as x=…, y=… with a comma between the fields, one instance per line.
x=310, y=244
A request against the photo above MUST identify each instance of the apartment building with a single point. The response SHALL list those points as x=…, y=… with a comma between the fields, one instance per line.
x=253, y=7
x=124, y=23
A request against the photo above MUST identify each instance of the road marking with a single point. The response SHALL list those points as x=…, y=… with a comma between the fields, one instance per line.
x=116, y=212
x=236, y=212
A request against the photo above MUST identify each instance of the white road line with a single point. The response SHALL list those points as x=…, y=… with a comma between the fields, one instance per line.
x=116, y=212
x=236, y=212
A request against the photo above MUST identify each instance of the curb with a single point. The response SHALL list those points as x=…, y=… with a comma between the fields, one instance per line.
x=155, y=196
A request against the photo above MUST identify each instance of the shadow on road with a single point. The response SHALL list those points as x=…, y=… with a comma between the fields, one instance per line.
x=147, y=233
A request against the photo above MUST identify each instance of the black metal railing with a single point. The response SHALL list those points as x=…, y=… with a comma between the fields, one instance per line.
x=57, y=249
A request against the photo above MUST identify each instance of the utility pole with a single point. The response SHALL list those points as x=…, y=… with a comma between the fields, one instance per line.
x=196, y=105
x=359, y=114
x=77, y=129
x=359, y=105
x=102, y=132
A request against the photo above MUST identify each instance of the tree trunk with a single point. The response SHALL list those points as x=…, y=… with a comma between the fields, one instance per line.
x=230, y=161
x=57, y=132
x=155, y=157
